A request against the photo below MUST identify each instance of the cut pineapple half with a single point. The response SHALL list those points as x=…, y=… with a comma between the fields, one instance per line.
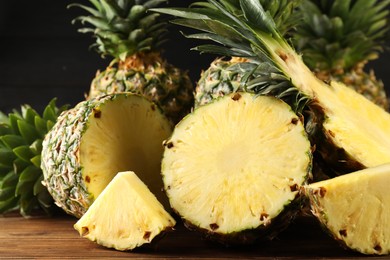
x=126, y=215
x=98, y=138
x=235, y=164
x=355, y=208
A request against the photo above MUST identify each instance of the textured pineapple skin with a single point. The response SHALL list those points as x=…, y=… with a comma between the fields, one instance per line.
x=61, y=157
x=218, y=80
x=149, y=75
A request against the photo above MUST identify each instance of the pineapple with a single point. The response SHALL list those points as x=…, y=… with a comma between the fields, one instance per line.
x=98, y=138
x=355, y=208
x=338, y=38
x=125, y=31
x=350, y=132
x=21, y=134
x=125, y=216
x=225, y=76
x=227, y=172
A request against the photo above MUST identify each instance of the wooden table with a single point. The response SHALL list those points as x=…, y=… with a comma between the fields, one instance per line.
x=54, y=238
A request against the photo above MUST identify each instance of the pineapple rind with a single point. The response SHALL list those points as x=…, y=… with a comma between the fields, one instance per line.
x=126, y=215
x=76, y=171
x=233, y=158
x=354, y=208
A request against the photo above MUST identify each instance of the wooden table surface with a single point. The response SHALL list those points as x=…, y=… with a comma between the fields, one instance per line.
x=54, y=238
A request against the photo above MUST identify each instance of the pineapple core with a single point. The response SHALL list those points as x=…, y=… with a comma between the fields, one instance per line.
x=126, y=215
x=355, y=208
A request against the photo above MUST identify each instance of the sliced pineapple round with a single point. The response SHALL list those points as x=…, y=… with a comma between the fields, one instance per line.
x=232, y=166
x=126, y=215
x=90, y=143
x=355, y=208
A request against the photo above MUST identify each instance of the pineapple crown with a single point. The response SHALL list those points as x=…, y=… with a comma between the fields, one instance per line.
x=123, y=27
x=339, y=34
x=21, y=135
x=244, y=28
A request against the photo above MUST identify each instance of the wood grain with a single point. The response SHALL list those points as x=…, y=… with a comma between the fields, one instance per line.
x=54, y=238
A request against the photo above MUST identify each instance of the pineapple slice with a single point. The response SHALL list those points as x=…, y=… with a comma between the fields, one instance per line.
x=355, y=208
x=126, y=215
x=232, y=166
x=98, y=138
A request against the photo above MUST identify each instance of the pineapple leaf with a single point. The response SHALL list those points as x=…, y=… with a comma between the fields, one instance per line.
x=91, y=10
x=38, y=186
x=9, y=180
x=6, y=193
x=12, y=141
x=31, y=173
x=255, y=13
x=9, y=204
x=6, y=156
x=23, y=152
x=19, y=165
x=27, y=131
x=36, y=160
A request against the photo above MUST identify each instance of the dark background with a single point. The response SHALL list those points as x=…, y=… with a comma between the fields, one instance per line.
x=43, y=56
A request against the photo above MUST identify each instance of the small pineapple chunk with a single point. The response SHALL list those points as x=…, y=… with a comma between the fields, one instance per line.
x=125, y=215
x=355, y=208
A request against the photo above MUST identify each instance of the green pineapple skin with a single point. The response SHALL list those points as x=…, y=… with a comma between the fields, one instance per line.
x=148, y=75
x=21, y=135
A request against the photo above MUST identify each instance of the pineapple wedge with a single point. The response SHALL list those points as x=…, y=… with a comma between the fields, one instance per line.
x=233, y=166
x=126, y=215
x=355, y=208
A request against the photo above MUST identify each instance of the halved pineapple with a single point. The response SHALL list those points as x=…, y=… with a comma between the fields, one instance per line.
x=233, y=166
x=355, y=208
x=126, y=215
x=98, y=138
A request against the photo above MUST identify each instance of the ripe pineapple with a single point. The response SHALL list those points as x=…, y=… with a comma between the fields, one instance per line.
x=233, y=167
x=126, y=215
x=355, y=208
x=338, y=38
x=133, y=37
x=225, y=76
x=98, y=138
x=354, y=131
x=21, y=134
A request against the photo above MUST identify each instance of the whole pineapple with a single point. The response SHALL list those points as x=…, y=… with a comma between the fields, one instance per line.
x=338, y=38
x=133, y=37
x=21, y=134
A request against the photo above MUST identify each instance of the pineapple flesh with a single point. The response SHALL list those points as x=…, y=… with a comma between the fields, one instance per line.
x=126, y=215
x=226, y=169
x=133, y=37
x=90, y=143
x=355, y=208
